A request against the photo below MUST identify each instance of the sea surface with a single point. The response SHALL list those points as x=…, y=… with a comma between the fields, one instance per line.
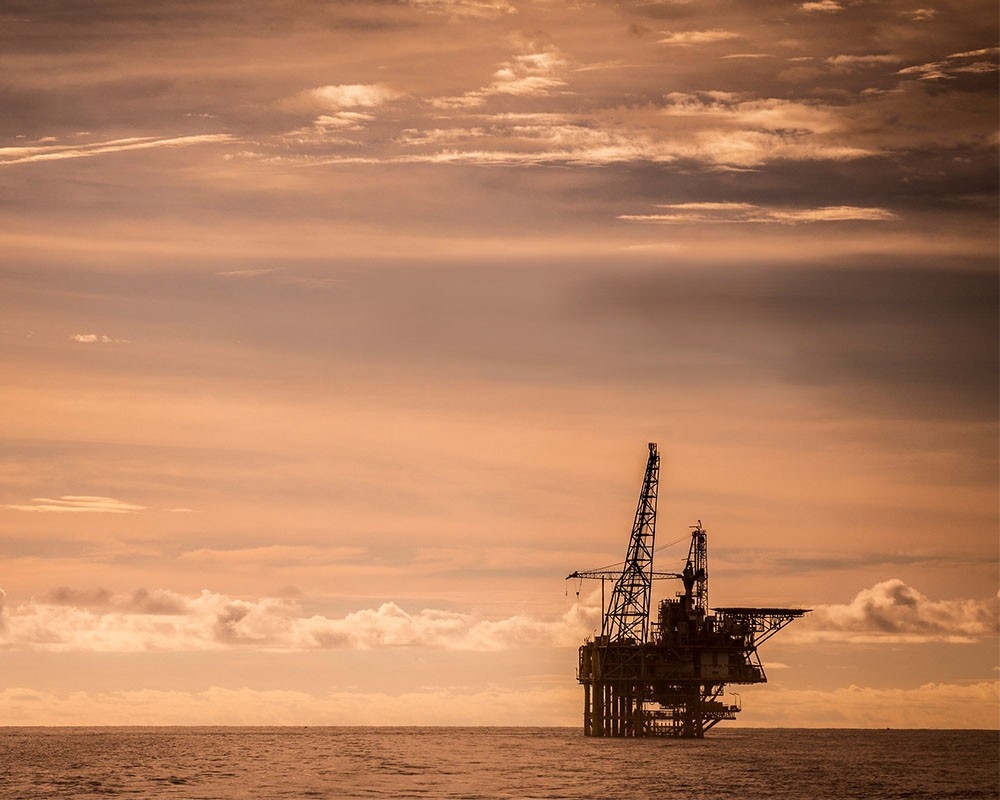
x=230, y=763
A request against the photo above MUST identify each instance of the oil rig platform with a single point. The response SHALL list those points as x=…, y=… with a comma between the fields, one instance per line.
x=666, y=678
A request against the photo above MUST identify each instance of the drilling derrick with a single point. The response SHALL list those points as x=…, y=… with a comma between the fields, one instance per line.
x=628, y=612
x=666, y=679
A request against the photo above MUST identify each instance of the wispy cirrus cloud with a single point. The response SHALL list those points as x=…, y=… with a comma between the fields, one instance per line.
x=720, y=129
x=823, y=6
x=549, y=143
x=755, y=113
x=685, y=38
x=96, y=338
x=344, y=95
x=465, y=9
x=736, y=130
x=77, y=504
x=336, y=108
x=56, y=152
x=677, y=213
x=856, y=62
x=979, y=61
x=275, y=554
x=536, y=72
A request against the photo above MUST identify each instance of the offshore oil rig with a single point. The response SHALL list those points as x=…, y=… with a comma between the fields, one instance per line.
x=666, y=678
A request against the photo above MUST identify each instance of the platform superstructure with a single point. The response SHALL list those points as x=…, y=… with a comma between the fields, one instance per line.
x=667, y=677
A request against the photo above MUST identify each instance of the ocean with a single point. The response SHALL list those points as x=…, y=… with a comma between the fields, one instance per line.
x=341, y=763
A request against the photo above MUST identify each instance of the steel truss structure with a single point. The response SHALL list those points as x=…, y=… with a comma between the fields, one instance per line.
x=667, y=678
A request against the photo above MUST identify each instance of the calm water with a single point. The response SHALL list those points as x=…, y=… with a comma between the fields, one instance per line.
x=229, y=763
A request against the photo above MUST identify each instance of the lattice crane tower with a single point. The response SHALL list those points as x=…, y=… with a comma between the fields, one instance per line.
x=628, y=611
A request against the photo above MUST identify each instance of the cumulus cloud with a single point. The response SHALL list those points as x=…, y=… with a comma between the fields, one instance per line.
x=75, y=504
x=747, y=212
x=70, y=621
x=55, y=152
x=893, y=611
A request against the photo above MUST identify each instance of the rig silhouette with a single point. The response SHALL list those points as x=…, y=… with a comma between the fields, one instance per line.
x=666, y=678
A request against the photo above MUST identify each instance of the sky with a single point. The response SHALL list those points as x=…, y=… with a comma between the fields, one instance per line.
x=333, y=335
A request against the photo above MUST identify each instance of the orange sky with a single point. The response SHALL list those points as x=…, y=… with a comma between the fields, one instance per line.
x=334, y=333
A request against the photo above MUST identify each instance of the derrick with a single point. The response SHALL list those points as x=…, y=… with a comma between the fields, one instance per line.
x=628, y=611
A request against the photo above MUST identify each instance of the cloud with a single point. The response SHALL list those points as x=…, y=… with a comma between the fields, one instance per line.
x=951, y=706
x=685, y=38
x=893, y=611
x=530, y=74
x=275, y=554
x=768, y=113
x=443, y=705
x=464, y=9
x=825, y=6
x=337, y=97
x=55, y=152
x=86, y=504
x=528, y=144
x=979, y=61
x=245, y=273
x=336, y=108
x=147, y=621
x=282, y=277
x=719, y=129
x=849, y=62
x=91, y=338
x=734, y=130
x=747, y=212
x=142, y=601
x=343, y=120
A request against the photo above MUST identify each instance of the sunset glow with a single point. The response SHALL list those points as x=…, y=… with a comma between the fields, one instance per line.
x=333, y=335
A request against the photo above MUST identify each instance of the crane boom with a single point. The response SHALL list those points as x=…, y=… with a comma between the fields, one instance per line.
x=614, y=574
